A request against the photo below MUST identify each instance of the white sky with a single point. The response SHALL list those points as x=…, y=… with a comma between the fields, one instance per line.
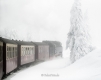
x=46, y=19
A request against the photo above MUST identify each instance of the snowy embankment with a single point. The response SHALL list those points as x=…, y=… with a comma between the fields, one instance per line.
x=86, y=68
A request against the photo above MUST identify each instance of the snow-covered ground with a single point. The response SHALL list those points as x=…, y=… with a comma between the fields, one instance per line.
x=86, y=68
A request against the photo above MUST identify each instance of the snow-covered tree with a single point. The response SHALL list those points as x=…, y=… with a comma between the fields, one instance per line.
x=13, y=34
x=78, y=37
x=10, y=34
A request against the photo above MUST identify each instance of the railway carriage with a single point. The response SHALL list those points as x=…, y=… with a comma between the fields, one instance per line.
x=26, y=52
x=9, y=55
x=1, y=59
x=14, y=54
x=41, y=51
x=58, y=48
x=51, y=49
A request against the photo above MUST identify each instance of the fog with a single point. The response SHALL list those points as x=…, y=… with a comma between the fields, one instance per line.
x=38, y=20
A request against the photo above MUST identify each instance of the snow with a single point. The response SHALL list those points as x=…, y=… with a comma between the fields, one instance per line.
x=78, y=40
x=86, y=68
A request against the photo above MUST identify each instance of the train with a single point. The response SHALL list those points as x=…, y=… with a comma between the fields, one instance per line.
x=15, y=53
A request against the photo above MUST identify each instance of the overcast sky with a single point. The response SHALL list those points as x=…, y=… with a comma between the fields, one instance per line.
x=46, y=19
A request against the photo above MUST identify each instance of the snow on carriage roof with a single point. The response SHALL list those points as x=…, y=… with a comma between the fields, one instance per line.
x=39, y=43
x=23, y=42
x=7, y=40
x=49, y=43
x=56, y=43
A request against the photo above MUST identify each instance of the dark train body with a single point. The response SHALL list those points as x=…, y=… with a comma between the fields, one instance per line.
x=26, y=52
x=42, y=51
x=9, y=56
x=1, y=59
x=58, y=48
x=14, y=54
x=51, y=49
x=55, y=48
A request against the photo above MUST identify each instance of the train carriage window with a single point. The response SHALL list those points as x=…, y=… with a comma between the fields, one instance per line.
x=31, y=50
x=25, y=50
x=13, y=53
x=9, y=52
x=28, y=50
x=8, y=55
x=21, y=51
x=7, y=48
x=16, y=51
